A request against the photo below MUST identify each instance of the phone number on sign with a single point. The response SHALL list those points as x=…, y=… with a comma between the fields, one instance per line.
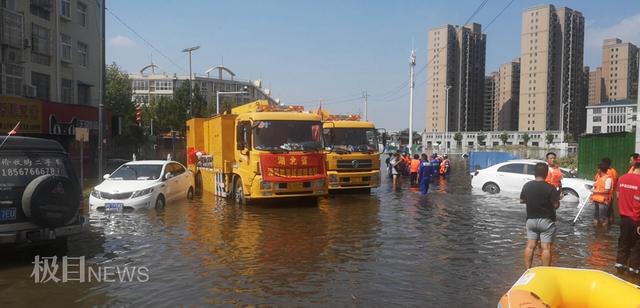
x=29, y=171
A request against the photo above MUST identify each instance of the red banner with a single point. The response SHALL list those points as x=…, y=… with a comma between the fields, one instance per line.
x=292, y=167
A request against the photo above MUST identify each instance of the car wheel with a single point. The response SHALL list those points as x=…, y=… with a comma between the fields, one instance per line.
x=198, y=181
x=160, y=202
x=491, y=188
x=238, y=192
x=190, y=193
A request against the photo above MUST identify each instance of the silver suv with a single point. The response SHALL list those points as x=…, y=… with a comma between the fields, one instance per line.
x=40, y=197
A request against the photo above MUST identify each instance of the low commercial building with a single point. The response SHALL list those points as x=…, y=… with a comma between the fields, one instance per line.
x=492, y=139
x=612, y=117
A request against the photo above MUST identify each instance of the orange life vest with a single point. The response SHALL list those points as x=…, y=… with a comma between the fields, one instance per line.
x=613, y=174
x=415, y=164
x=600, y=194
x=443, y=166
x=554, y=177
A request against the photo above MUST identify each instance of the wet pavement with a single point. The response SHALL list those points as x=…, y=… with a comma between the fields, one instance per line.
x=455, y=246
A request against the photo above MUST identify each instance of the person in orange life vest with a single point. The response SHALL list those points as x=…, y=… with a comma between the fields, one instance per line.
x=415, y=165
x=600, y=194
x=406, y=160
x=613, y=174
x=445, y=165
x=554, y=177
x=628, y=256
x=632, y=159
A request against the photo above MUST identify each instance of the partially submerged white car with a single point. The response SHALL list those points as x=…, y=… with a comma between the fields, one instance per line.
x=142, y=184
x=510, y=176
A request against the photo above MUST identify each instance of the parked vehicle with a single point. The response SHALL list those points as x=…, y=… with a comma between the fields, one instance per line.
x=40, y=197
x=510, y=176
x=259, y=151
x=142, y=184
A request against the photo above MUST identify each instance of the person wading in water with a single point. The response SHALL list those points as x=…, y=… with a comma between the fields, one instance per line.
x=542, y=200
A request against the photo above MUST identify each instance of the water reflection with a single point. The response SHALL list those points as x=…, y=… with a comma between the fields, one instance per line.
x=453, y=247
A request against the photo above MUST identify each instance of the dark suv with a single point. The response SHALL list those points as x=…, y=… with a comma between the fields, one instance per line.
x=40, y=197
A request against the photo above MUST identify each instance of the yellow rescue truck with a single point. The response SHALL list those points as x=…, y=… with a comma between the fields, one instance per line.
x=258, y=151
x=353, y=157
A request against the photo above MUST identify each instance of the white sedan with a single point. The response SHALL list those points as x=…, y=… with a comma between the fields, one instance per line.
x=142, y=184
x=511, y=176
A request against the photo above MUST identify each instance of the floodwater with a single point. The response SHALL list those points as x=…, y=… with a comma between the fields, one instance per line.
x=454, y=247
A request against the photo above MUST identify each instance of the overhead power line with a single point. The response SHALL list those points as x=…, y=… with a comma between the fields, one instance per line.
x=502, y=11
x=144, y=40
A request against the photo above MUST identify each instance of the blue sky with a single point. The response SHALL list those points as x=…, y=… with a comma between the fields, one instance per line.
x=333, y=50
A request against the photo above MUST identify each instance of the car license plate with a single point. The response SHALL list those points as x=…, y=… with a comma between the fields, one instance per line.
x=8, y=213
x=113, y=207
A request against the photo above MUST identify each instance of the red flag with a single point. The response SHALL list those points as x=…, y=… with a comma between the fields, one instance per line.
x=15, y=129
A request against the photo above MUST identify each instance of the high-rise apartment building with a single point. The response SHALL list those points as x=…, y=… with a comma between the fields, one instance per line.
x=596, y=84
x=619, y=70
x=507, y=97
x=552, y=43
x=51, y=50
x=490, y=88
x=456, y=59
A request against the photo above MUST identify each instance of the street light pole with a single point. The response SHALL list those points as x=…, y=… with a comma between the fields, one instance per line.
x=412, y=65
x=446, y=116
x=189, y=50
x=102, y=97
x=226, y=93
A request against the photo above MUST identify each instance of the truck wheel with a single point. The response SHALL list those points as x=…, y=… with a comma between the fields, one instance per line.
x=238, y=192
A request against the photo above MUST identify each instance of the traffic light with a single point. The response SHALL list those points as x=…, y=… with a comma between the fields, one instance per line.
x=138, y=113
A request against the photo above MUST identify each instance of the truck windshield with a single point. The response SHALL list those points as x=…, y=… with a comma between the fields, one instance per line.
x=287, y=135
x=352, y=139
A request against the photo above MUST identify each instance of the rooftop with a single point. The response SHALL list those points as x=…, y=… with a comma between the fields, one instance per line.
x=622, y=102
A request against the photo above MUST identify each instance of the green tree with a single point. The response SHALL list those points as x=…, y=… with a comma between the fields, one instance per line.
x=198, y=103
x=549, y=137
x=458, y=138
x=118, y=102
x=178, y=107
x=504, y=137
x=526, y=138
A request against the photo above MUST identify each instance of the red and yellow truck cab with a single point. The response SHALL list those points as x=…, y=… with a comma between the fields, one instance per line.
x=259, y=151
x=353, y=157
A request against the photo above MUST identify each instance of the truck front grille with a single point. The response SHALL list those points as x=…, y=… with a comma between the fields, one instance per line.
x=355, y=164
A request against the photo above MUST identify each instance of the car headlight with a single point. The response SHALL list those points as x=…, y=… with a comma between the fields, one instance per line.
x=265, y=185
x=318, y=184
x=96, y=194
x=333, y=178
x=143, y=192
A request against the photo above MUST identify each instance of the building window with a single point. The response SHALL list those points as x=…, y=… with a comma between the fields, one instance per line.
x=82, y=14
x=82, y=54
x=164, y=85
x=597, y=129
x=65, y=8
x=41, y=8
x=67, y=91
x=597, y=119
x=140, y=85
x=13, y=75
x=40, y=44
x=84, y=94
x=597, y=110
x=41, y=82
x=65, y=47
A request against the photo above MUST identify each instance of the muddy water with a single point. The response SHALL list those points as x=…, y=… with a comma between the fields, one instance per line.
x=455, y=246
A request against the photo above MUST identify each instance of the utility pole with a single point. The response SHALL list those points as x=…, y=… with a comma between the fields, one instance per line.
x=365, y=95
x=102, y=97
x=638, y=110
x=412, y=65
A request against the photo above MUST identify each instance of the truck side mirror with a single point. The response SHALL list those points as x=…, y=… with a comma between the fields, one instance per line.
x=240, y=142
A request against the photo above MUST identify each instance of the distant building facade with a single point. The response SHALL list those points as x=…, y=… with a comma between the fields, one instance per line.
x=596, y=84
x=612, y=117
x=456, y=59
x=552, y=44
x=157, y=85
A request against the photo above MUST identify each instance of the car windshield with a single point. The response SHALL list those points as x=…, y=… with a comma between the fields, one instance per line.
x=352, y=139
x=17, y=170
x=287, y=135
x=137, y=172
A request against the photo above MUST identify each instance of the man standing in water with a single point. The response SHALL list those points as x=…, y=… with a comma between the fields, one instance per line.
x=628, y=257
x=554, y=177
x=542, y=200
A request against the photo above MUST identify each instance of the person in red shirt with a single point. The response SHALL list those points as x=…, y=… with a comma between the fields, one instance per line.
x=628, y=256
x=554, y=177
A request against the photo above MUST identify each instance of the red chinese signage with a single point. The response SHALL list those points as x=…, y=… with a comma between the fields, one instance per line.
x=292, y=167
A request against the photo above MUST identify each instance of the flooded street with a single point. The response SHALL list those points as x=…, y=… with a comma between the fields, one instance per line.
x=453, y=247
